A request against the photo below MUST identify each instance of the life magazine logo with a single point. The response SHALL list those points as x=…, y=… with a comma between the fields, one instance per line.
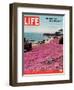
x=31, y=21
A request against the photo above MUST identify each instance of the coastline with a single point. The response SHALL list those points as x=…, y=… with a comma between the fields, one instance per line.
x=46, y=41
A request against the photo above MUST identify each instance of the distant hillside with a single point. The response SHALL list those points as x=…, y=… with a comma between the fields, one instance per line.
x=59, y=32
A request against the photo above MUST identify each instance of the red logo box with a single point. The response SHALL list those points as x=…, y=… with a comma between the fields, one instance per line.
x=31, y=20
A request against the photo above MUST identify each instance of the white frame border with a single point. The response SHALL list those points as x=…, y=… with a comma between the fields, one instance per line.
x=51, y=77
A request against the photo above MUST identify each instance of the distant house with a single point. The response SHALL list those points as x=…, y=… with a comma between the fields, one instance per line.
x=61, y=31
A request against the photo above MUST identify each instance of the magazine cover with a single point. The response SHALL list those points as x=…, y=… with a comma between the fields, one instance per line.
x=43, y=43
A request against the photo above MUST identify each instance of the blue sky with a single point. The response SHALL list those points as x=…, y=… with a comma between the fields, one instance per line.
x=45, y=25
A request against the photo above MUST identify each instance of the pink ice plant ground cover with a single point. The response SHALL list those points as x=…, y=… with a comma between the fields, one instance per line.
x=44, y=58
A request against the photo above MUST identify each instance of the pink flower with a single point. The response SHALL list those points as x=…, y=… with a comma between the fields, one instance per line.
x=45, y=56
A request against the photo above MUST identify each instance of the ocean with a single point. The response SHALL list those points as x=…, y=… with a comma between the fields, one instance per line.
x=35, y=36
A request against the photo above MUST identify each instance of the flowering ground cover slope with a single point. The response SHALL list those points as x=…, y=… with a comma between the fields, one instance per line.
x=44, y=58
